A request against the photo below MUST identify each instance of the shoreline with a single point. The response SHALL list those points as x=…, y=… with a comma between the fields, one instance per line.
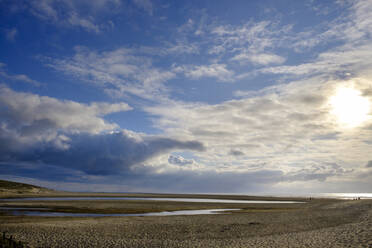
x=317, y=223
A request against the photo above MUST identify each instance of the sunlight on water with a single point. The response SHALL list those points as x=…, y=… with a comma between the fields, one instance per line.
x=23, y=211
x=345, y=195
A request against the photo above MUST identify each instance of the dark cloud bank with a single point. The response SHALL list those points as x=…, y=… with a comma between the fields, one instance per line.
x=101, y=154
x=47, y=138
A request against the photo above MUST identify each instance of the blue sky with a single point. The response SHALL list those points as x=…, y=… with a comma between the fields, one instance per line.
x=187, y=96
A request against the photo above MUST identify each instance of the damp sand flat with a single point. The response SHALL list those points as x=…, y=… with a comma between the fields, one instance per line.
x=144, y=203
x=96, y=198
x=319, y=223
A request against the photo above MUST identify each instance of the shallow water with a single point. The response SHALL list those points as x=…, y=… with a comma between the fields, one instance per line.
x=142, y=199
x=347, y=196
x=23, y=211
x=21, y=208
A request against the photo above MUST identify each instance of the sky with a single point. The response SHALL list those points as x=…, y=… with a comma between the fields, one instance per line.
x=245, y=97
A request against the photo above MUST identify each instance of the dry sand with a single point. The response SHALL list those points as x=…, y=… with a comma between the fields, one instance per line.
x=319, y=223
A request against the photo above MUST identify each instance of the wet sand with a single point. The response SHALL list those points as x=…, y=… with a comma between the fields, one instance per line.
x=317, y=223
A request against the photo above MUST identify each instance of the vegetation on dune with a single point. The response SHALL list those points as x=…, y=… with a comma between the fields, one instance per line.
x=17, y=186
x=15, y=189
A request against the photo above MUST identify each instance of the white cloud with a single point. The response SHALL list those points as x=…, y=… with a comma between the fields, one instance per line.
x=351, y=56
x=260, y=58
x=183, y=47
x=344, y=59
x=16, y=77
x=218, y=71
x=75, y=20
x=287, y=128
x=81, y=13
x=248, y=40
x=351, y=27
x=36, y=114
x=257, y=43
x=120, y=72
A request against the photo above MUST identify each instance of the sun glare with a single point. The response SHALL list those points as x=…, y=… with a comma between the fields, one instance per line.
x=350, y=107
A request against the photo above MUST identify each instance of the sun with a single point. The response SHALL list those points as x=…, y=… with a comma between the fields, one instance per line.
x=350, y=107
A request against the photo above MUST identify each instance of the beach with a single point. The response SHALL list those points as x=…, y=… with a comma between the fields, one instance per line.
x=315, y=223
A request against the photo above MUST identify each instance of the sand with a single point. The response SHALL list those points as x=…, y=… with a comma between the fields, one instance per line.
x=319, y=223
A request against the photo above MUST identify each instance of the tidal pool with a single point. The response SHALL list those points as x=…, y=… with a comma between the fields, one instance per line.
x=25, y=211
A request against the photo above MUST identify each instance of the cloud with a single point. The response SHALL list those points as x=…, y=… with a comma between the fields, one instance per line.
x=29, y=114
x=252, y=41
x=183, y=182
x=218, y=71
x=88, y=24
x=352, y=33
x=17, y=77
x=259, y=42
x=317, y=172
x=100, y=154
x=38, y=130
x=179, y=160
x=340, y=61
x=182, y=48
x=255, y=34
x=286, y=127
x=260, y=59
x=87, y=15
x=120, y=72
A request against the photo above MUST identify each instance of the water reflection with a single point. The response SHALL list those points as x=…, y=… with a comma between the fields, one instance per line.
x=24, y=211
x=346, y=196
x=21, y=208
